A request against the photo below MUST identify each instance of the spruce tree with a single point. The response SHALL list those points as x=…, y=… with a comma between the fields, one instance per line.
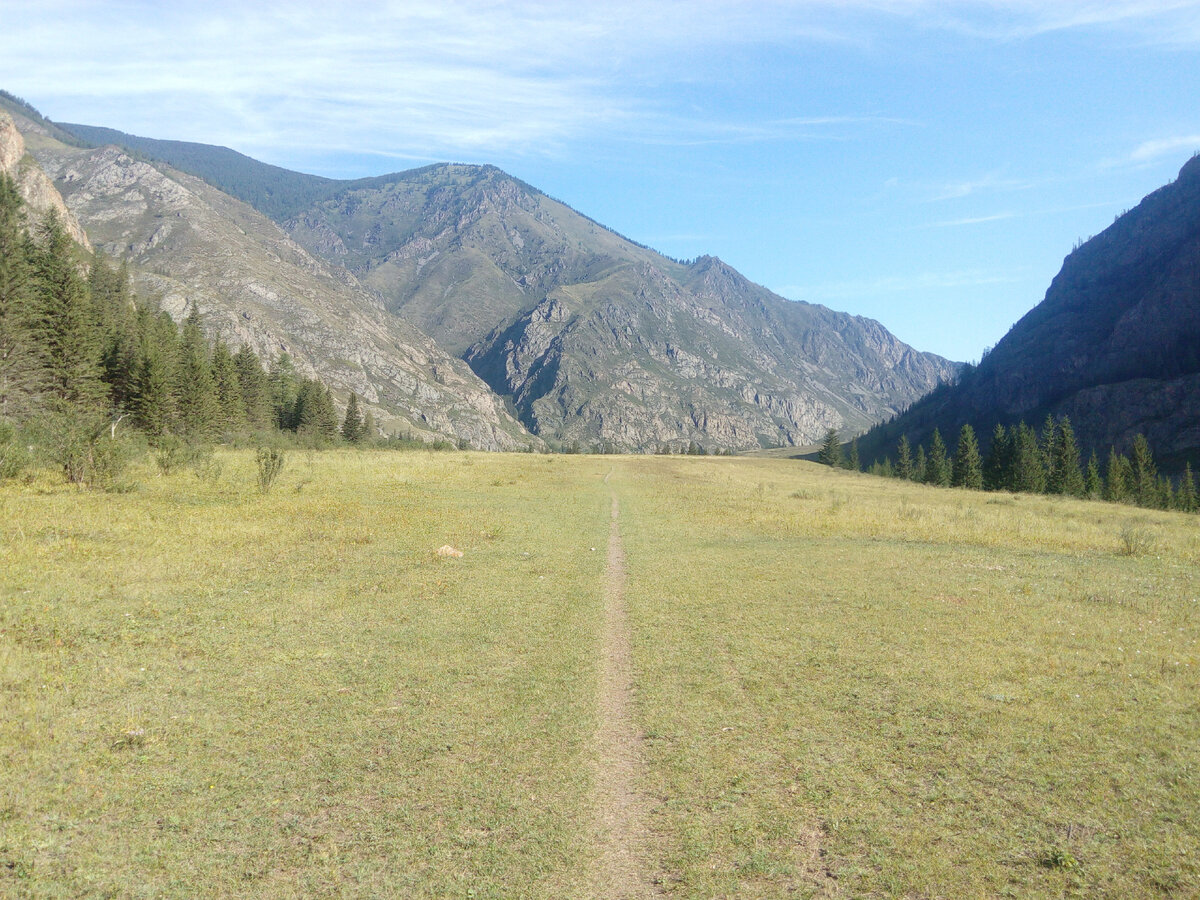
x=370, y=431
x=831, y=449
x=352, y=425
x=62, y=321
x=853, y=463
x=1185, y=497
x=197, y=408
x=1029, y=470
x=904, y=460
x=998, y=470
x=919, y=465
x=115, y=316
x=1063, y=476
x=256, y=403
x=284, y=388
x=1145, y=473
x=937, y=465
x=1117, y=478
x=231, y=411
x=968, y=467
x=1093, y=484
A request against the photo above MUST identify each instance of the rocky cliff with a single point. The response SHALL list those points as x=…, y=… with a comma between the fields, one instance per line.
x=36, y=189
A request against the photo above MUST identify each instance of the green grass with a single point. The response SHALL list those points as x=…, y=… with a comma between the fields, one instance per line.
x=847, y=685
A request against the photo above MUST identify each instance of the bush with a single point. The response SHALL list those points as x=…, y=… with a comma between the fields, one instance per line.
x=269, y=461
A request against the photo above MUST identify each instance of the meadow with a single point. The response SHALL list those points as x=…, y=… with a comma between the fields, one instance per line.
x=842, y=685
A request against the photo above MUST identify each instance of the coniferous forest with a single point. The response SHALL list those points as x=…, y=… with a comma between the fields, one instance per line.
x=90, y=374
x=1022, y=459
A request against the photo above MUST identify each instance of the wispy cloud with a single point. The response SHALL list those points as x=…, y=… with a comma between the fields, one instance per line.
x=1150, y=150
x=923, y=282
x=974, y=220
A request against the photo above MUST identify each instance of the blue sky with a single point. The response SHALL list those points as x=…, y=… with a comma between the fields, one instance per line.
x=925, y=164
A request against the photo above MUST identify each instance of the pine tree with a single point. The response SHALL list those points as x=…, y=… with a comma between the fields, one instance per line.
x=1118, y=477
x=256, y=405
x=831, y=449
x=937, y=465
x=197, y=408
x=352, y=425
x=316, y=416
x=115, y=317
x=998, y=470
x=1029, y=470
x=919, y=465
x=284, y=387
x=1093, y=484
x=1185, y=497
x=370, y=431
x=904, y=460
x=1145, y=473
x=154, y=398
x=62, y=322
x=1046, y=443
x=853, y=462
x=1064, y=476
x=968, y=467
x=231, y=411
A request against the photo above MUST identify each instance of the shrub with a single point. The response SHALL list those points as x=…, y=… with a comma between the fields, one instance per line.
x=269, y=461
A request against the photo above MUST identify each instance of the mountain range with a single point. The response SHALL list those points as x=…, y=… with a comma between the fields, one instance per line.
x=459, y=301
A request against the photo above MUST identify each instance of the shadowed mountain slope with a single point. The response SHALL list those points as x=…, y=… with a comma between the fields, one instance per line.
x=1115, y=344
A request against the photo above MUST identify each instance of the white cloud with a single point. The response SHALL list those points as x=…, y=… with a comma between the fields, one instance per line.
x=1150, y=150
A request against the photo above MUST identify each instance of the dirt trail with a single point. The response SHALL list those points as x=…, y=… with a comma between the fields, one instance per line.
x=624, y=869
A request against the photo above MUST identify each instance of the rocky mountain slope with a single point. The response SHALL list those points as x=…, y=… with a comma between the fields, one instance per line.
x=189, y=243
x=597, y=339
x=1115, y=344
x=592, y=337
x=36, y=189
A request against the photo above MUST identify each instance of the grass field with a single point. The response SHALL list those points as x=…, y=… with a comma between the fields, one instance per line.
x=846, y=686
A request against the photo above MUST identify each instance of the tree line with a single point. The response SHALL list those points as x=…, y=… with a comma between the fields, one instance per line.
x=83, y=361
x=1026, y=460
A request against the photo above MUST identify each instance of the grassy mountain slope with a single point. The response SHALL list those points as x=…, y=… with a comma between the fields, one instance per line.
x=1115, y=344
x=190, y=243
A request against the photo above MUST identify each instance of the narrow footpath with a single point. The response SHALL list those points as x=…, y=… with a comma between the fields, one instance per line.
x=625, y=868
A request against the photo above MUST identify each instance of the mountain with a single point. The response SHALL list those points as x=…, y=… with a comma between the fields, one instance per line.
x=591, y=337
x=37, y=190
x=597, y=339
x=190, y=244
x=1115, y=344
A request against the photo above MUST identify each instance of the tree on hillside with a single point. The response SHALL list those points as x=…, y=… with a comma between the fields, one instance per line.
x=937, y=465
x=256, y=402
x=919, y=465
x=231, y=412
x=968, y=467
x=831, y=449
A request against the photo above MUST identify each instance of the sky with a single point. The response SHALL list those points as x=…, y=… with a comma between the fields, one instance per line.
x=926, y=164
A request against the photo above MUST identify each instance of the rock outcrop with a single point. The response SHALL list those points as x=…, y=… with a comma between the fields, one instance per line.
x=36, y=189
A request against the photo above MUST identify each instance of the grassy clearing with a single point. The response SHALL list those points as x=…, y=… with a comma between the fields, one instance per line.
x=848, y=685
x=867, y=688
x=207, y=692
